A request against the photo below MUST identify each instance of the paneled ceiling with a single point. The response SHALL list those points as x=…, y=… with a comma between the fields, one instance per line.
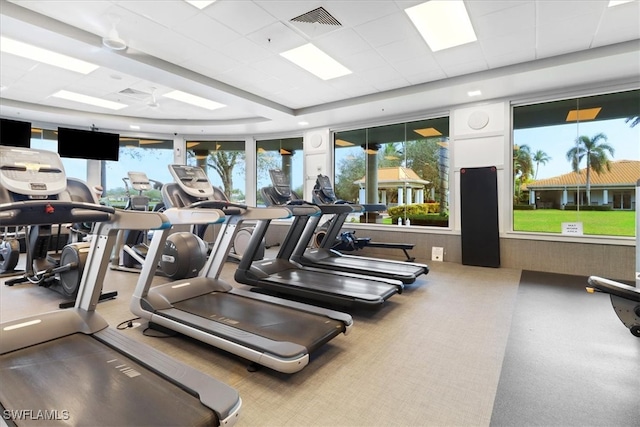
x=230, y=52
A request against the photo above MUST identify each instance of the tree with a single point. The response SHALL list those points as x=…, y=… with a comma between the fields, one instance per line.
x=522, y=168
x=540, y=157
x=223, y=162
x=594, y=150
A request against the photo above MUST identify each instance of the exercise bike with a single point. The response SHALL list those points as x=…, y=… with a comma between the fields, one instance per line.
x=9, y=252
x=55, y=253
x=184, y=253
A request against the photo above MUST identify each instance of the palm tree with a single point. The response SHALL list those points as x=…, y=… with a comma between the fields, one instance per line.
x=540, y=157
x=522, y=166
x=595, y=152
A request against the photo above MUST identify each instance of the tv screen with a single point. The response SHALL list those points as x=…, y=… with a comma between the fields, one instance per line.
x=85, y=144
x=15, y=133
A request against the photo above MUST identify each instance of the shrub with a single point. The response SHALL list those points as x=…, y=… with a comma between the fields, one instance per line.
x=588, y=208
x=523, y=207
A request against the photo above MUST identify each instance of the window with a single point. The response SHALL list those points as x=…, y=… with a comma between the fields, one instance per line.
x=150, y=156
x=224, y=163
x=575, y=165
x=45, y=139
x=404, y=166
x=284, y=154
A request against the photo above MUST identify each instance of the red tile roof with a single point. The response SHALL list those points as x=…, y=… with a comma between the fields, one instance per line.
x=623, y=172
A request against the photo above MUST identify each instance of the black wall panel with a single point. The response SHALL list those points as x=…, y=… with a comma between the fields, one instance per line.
x=479, y=216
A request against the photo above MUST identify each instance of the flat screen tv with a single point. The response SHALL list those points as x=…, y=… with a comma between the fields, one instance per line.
x=15, y=133
x=85, y=144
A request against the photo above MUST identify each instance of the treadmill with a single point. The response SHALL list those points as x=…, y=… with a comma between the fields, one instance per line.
x=272, y=332
x=284, y=276
x=68, y=367
x=326, y=258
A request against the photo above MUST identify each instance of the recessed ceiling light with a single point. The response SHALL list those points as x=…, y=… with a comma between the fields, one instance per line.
x=426, y=132
x=200, y=4
x=90, y=100
x=316, y=62
x=303, y=123
x=134, y=127
x=343, y=143
x=474, y=93
x=193, y=100
x=585, y=114
x=618, y=2
x=45, y=56
x=442, y=23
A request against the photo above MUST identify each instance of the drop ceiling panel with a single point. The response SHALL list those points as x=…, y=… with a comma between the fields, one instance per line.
x=211, y=63
x=485, y=7
x=509, y=44
x=342, y=43
x=245, y=51
x=207, y=31
x=402, y=50
x=277, y=38
x=353, y=13
x=507, y=21
x=244, y=17
x=169, y=14
x=387, y=29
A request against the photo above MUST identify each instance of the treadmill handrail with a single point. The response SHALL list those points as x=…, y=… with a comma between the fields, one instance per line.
x=42, y=212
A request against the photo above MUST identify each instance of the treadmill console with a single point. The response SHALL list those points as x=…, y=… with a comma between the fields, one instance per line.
x=324, y=185
x=280, y=183
x=139, y=181
x=33, y=173
x=192, y=180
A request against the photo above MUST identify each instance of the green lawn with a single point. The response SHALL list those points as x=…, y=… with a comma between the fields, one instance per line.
x=610, y=223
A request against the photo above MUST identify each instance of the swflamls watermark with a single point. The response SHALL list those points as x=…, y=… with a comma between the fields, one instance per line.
x=35, y=415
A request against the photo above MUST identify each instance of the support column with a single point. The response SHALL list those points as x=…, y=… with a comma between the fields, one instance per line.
x=605, y=196
x=409, y=196
x=383, y=200
x=400, y=196
x=532, y=197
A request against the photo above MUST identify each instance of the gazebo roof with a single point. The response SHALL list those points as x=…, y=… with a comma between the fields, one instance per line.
x=397, y=177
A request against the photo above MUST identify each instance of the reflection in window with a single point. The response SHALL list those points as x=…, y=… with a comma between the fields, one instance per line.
x=284, y=154
x=224, y=163
x=577, y=161
x=404, y=166
x=44, y=139
x=150, y=156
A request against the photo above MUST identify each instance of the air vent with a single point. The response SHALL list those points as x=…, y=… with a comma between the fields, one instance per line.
x=317, y=16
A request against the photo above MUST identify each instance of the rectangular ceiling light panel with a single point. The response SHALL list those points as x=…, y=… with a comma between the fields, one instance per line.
x=315, y=61
x=89, y=100
x=442, y=23
x=585, y=114
x=194, y=100
x=45, y=56
x=200, y=4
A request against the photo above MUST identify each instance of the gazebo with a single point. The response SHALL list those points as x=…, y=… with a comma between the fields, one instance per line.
x=405, y=180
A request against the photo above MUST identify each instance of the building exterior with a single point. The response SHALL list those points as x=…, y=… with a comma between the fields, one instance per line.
x=614, y=187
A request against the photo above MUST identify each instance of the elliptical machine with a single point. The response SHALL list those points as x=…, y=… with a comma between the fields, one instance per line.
x=184, y=253
x=56, y=253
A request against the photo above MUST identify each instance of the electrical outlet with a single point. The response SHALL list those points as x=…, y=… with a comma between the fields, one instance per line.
x=437, y=253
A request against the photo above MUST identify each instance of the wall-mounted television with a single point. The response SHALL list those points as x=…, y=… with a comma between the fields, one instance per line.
x=85, y=144
x=15, y=133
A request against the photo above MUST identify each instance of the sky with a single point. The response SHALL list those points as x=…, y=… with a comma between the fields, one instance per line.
x=557, y=140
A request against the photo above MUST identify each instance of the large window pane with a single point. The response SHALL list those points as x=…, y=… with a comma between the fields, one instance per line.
x=45, y=139
x=576, y=163
x=150, y=156
x=224, y=163
x=284, y=154
x=404, y=166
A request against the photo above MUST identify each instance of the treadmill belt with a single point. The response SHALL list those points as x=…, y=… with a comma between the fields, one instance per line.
x=278, y=323
x=332, y=284
x=76, y=380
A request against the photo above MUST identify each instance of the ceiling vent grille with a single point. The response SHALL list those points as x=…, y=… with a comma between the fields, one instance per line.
x=317, y=16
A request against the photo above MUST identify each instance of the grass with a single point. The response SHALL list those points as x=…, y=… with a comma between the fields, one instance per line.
x=608, y=223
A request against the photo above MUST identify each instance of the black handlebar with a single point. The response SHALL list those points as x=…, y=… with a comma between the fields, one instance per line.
x=44, y=212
